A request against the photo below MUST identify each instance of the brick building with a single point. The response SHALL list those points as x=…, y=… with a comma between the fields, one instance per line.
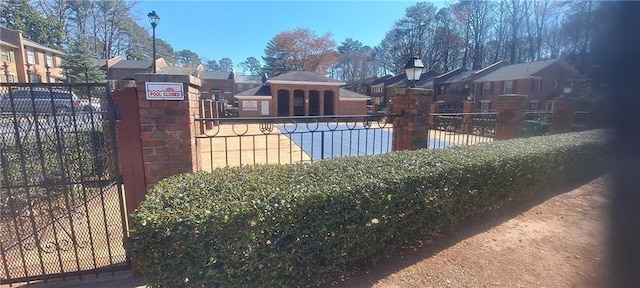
x=217, y=85
x=300, y=93
x=25, y=61
x=541, y=81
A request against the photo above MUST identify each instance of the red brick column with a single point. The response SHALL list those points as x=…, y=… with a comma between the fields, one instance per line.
x=467, y=119
x=562, y=117
x=410, y=127
x=168, y=129
x=510, y=118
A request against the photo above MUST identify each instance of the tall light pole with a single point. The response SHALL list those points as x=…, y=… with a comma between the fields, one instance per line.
x=154, y=19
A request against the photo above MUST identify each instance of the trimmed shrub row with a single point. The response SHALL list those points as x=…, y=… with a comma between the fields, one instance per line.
x=306, y=224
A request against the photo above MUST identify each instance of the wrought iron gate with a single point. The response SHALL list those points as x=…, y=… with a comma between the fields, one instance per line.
x=61, y=201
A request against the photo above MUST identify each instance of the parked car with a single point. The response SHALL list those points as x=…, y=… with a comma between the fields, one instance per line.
x=41, y=101
x=90, y=105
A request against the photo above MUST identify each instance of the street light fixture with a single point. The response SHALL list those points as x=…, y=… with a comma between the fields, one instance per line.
x=413, y=68
x=154, y=19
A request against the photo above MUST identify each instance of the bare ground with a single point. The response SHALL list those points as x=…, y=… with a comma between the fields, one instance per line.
x=555, y=240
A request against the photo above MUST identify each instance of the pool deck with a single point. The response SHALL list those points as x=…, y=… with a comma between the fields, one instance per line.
x=275, y=147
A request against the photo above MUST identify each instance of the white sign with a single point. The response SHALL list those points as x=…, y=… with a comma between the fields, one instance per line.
x=265, y=108
x=250, y=105
x=164, y=91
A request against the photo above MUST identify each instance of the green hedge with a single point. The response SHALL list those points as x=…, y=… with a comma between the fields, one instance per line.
x=306, y=224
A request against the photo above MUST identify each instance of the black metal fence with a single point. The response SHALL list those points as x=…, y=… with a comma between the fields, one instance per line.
x=450, y=129
x=61, y=206
x=536, y=123
x=583, y=120
x=270, y=140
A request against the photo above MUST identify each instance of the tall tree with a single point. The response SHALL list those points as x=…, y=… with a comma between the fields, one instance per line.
x=20, y=15
x=186, y=57
x=251, y=65
x=356, y=62
x=516, y=13
x=447, y=42
x=226, y=65
x=80, y=65
x=474, y=17
x=211, y=65
x=410, y=36
x=299, y=50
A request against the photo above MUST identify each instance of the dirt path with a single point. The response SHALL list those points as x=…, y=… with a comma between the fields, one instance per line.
x=559, y=242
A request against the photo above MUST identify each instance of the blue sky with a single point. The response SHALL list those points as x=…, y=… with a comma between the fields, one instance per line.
x=241, y=29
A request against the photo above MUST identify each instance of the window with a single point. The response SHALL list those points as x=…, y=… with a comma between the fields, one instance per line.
x=50, y=60
x=52, y=79
x=31, y=56
x=34, y=78
x=535, y=85
x=441, y=89
x=509, y=87
x=549, y=105
x=240, y=86
x=487, y=88
x=10, y=78
x=6, y=55
x=465, y=88
x=485, y=105
x=533, y=105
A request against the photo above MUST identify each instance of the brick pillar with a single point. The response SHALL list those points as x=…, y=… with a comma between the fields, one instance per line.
x=291, y=96
x=562, y=117
x=510, y=110
x=306, y=103
x=168, y=129
x=467, y=119
x=321, y=95
x=409, y=128
x=433, y=109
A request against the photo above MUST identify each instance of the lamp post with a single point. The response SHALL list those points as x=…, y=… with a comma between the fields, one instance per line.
x=48, y=73
x=154, y=19
x=413, y=68
x=6, y=70
x=29, y=73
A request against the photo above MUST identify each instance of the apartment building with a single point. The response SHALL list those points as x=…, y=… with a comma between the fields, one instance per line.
x=25, y=61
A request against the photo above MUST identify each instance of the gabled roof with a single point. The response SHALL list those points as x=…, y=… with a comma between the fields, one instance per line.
x=101, y=62
x=41, y=47
x=381, y=80
x=524, y=71
x=262, y=90
x=132, y=64
x=463, y=76
x=4, y=43
x=492, y=67
x=303, y=76
x=248, y=79
x=178, y=70
x=426, y=79
x=446, y=76
x=396, y=80
x=344, y=93
x=218, y=75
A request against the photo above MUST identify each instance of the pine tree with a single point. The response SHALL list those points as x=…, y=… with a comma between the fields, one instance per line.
x=80, y=65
